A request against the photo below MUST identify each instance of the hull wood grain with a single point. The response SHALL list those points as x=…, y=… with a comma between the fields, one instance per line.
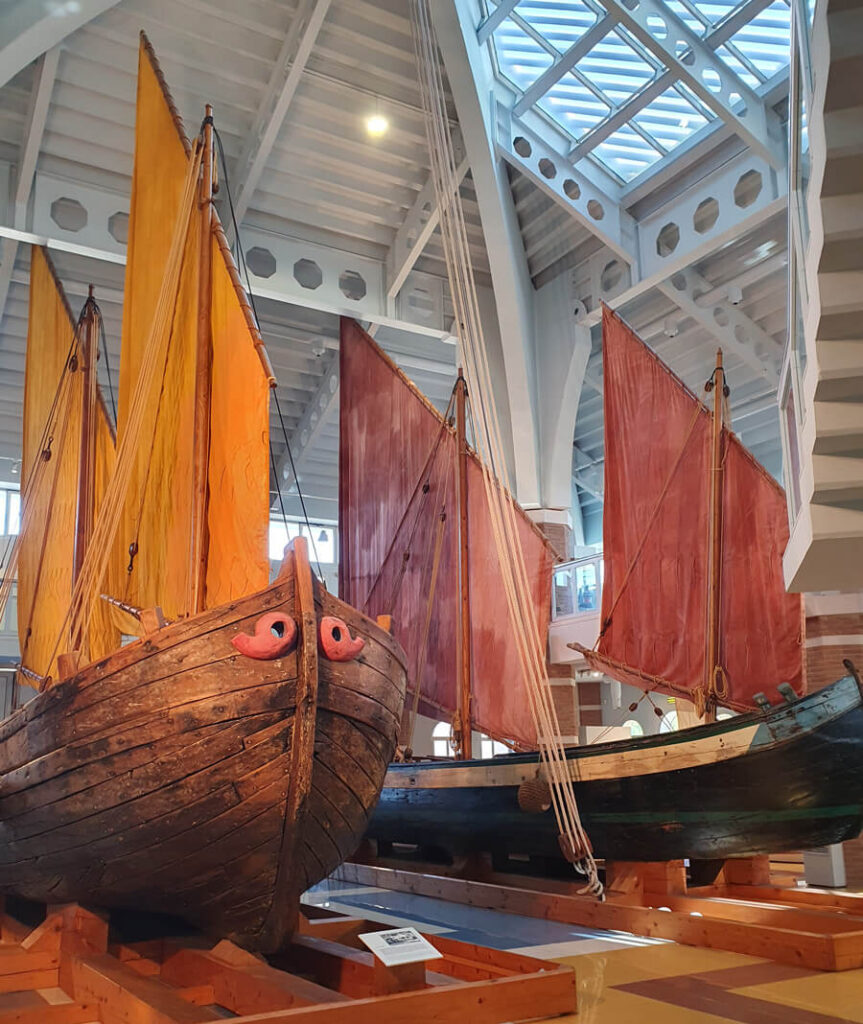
x=159, y=777
x=787, y=779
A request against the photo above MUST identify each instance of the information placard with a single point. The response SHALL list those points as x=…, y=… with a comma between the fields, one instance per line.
x=400, y=946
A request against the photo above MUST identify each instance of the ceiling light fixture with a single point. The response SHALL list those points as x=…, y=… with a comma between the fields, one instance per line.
x=377, y=125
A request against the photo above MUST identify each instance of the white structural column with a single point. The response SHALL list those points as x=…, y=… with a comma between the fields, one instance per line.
x=282, y=86
x=732, y=328
x=471, y=80
x=40, y=100
x=563, y=348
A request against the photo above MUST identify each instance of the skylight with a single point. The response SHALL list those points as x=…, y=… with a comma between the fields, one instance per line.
x=619, y=76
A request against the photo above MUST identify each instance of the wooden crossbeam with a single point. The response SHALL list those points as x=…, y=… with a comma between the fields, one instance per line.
x=241, y=982
x=125, y=996
x=550, y=993
x=64, y=1013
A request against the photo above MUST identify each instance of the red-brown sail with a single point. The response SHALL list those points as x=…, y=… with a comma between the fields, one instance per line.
x=655, y=540
x=397, y=466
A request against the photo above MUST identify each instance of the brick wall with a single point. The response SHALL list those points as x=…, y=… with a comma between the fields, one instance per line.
x=559, y=535
x=853, y=851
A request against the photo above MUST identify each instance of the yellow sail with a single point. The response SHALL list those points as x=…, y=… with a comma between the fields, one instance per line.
x=239, y=472
x=156, y=515
x=152, y=564
x=52, y=424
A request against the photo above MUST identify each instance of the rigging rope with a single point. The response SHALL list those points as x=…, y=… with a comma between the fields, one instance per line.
x=58, y=416
x=489, y=443
x=99, y=551
x=241, y=259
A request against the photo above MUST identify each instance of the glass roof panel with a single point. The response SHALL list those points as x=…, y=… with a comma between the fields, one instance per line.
x=670, y=119
x=574, y=106
x=765, y=40
x=561, y=24
x=626, y=153
x=615, y=68
x=520, y=57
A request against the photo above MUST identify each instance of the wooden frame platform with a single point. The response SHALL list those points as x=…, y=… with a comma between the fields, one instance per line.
x=67, y=971
x=740, y=912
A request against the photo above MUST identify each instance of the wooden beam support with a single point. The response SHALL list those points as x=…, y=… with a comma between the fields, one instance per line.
x=123, y=996
x=241, y=982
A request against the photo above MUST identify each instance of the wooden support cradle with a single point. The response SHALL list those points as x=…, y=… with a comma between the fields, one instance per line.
x=68, y=970
x=740, y=911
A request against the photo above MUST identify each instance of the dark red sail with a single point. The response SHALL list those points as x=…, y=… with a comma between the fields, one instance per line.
x=655, y=540
x=397, y=469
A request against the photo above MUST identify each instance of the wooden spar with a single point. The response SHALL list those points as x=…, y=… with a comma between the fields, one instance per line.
x=87, y=351
x=203, y=379
x=464, y=660
x=88, y=339
x=714, y=584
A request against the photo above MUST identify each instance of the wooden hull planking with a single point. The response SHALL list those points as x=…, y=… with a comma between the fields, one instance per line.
x=787, y=779
x=158, y=777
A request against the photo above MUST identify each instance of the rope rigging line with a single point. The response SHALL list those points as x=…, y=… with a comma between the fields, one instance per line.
x=241, y=259
x=94, y=567
x=57, y=417
x=104, y=340
x=489, y=445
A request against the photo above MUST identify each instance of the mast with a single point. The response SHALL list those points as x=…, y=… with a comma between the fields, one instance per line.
x=717, y=385
x=463, y=654
x=88, y=347
x=203, y=378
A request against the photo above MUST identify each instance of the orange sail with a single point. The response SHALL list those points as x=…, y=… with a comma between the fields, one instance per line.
x=52, y=433
x=397, y=499
x=655, y=541
x=152, y=564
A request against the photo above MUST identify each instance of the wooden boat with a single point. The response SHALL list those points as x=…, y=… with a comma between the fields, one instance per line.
x=785, y=774
x=229, y=755
x=789, y=778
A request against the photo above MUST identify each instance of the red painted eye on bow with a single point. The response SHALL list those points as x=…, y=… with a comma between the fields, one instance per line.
x=336, y=640
x=275, y=635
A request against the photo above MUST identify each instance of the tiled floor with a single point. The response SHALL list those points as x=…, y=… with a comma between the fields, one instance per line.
x=625, y=979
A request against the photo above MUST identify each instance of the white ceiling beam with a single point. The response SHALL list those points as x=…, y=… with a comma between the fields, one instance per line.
x=684, y=256
x=40, y=101
x=502, y=11
x=693, y=61
x=732, y=328
x=416, y=229
x=29, y=29
x=299, y=297
x=37, y=116
x=282, y=86
x=589, y=205
x=320, y=407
